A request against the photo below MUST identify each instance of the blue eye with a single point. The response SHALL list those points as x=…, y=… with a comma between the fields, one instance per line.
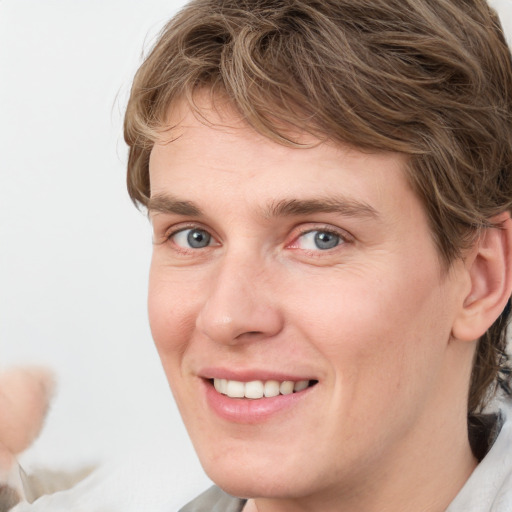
x=319, y=240
x=192, y=238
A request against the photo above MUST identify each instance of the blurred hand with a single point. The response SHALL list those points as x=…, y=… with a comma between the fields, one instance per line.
x=25, y=395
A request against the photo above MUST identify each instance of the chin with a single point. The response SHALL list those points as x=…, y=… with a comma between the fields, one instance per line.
x=248, y=488
x=259, y=480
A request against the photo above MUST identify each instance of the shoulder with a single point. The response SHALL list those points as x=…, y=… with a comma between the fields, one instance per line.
x=214, y=500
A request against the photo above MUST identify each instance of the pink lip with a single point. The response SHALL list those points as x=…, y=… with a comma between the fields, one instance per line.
x=249, y=375
x=249, y=411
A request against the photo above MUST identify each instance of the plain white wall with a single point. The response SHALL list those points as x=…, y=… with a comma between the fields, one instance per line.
x=74, y=252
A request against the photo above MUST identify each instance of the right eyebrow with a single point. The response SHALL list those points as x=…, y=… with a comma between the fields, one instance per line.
x=164, y=203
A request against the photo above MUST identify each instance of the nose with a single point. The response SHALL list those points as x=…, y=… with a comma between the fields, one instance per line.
x=240, y=304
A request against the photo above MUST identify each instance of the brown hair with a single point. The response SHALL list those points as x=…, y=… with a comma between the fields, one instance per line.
x=428, y=78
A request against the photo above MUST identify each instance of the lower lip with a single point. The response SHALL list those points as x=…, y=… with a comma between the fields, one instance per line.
x=247, y=410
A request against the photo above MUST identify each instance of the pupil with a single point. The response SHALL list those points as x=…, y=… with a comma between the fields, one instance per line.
x=198, y=238
x=325, y=240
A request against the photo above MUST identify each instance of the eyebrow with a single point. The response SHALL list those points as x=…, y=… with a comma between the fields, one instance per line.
x=163, y=203
x=160, y=203
x=341, y=205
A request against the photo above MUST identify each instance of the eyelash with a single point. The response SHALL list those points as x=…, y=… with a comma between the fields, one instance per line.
x=342, y=236
x=182, y=229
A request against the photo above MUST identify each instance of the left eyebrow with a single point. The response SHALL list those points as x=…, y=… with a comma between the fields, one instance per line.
x=341, y=205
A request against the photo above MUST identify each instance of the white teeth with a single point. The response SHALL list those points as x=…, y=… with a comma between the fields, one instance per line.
x=300, y=385
x=235, y=389
x=257, y=388
x=271, y=388
x=254, y=389
x=286, y=387
x=221, y=385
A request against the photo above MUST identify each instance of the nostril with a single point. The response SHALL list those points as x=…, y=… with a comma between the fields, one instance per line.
x=251, y=334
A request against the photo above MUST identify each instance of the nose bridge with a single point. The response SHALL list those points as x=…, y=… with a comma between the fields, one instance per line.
x=237, y=304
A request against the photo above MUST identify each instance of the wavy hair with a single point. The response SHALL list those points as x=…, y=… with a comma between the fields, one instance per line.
x=431, y=79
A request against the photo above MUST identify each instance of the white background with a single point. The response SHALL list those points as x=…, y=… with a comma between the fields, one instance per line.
x=74, y=252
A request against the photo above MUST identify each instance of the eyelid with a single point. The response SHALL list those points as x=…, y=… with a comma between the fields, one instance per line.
x=167, y=233
x=302, y=230
x=296, y=233
x=182, y=226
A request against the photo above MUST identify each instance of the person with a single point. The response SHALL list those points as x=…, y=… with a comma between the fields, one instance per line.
x=329, y=186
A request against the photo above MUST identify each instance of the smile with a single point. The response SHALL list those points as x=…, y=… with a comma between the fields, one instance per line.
x=257, y=389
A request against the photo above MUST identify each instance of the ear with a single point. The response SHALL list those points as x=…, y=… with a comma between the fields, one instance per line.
x=489, y=268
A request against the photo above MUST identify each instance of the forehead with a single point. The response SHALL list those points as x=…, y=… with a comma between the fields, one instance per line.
x=213, y=138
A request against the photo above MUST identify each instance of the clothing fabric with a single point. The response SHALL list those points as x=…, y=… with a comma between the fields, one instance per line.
x=488, y=489
x=214, y=500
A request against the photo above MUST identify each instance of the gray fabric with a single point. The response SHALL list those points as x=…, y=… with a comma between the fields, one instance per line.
x=214, y=500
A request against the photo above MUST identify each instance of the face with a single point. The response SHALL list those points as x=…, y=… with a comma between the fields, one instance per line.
x=298, y=306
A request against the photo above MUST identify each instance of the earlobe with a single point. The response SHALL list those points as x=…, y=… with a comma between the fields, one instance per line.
x=490, y=273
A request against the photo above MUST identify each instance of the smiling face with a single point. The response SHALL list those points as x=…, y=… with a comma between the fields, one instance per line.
x=307, y=268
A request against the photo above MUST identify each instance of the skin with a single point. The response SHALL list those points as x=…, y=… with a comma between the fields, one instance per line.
x=25, y=395
x=372, y=319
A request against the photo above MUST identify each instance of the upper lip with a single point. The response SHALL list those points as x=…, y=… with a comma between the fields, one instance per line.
x=251, y=374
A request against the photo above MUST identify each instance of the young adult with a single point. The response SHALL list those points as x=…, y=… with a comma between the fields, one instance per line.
x=329, y=184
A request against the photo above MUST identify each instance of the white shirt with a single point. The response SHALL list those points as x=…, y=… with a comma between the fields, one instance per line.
x=489, y=488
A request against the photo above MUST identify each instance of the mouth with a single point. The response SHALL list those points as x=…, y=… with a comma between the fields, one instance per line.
x=251, y=400
x=259, y=389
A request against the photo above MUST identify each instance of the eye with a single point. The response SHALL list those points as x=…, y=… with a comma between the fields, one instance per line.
x=192, y=238
x=318, y=240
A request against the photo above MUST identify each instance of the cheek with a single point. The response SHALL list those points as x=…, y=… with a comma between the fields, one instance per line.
x=171, y=310
x=386, y=329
